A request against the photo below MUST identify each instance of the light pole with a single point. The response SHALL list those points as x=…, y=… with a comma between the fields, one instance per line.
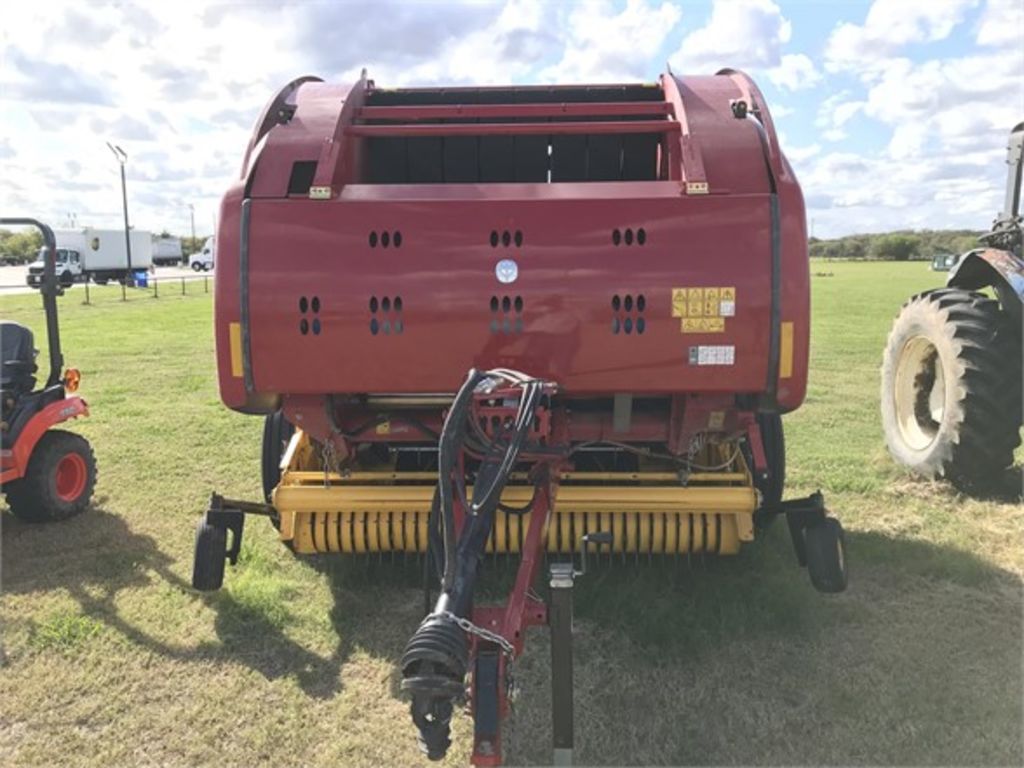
x=122, y=158
x=192, y=218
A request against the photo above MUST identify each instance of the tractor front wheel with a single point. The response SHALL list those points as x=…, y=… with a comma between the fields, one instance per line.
x=59, y=482
x=951, y=389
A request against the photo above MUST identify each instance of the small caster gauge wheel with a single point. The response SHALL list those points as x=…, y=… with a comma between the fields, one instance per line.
x=210, y=554
x=826, y=555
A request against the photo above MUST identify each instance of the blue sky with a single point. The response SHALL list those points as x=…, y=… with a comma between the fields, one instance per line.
x=894, y=113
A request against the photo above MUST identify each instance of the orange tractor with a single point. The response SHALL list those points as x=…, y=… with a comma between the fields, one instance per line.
x=47, y=474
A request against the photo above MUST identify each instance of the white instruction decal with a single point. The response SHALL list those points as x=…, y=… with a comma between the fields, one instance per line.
x=721, y=354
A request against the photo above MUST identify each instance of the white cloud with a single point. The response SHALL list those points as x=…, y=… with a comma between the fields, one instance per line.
x=890, y=25
x=1002, y=23
x=605, y=46
x=742, y=34
x=795, y=72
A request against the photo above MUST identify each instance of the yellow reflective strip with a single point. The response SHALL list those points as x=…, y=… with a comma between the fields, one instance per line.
x=786, y=351
x=235, y=343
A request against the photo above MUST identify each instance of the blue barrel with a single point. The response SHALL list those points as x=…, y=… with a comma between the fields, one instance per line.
x=141, y=279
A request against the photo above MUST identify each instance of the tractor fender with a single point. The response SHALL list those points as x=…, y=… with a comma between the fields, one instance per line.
x=14, y=460
x=990, y=267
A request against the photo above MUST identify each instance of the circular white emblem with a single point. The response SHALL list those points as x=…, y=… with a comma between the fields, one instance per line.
x=506, y=271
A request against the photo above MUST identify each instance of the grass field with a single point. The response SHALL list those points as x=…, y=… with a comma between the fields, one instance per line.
x=112, y=659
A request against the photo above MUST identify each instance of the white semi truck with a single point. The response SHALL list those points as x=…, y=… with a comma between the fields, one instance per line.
x=97, y=254
x=202, y=260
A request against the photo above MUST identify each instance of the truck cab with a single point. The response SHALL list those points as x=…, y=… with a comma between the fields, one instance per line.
x=202, y=260
x=69, y=267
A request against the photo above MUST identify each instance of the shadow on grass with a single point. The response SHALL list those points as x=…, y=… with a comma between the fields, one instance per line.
x=919, y=659
x=97, y=556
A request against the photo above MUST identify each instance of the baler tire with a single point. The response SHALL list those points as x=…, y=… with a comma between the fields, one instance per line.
x=825, y=548
x=277, y=432
x=967, y=434
x=59, y=481
x=210, y=554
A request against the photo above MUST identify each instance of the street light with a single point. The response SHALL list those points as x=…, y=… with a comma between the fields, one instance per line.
x=192, y=218
x=122, y=158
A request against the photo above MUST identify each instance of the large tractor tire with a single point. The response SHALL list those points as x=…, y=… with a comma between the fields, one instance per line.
x=951, y=389
x=59, y=481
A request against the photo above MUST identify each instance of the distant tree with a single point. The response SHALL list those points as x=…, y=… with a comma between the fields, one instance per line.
x=896, y=247
x=19, y=247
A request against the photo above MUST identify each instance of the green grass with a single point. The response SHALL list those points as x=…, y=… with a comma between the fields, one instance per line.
x=110, y=658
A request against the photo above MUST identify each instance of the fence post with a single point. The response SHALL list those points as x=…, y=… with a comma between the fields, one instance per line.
x=86, y=289
x=124, y=285
x=156, y=288
x=206, y=284
x=183, y=286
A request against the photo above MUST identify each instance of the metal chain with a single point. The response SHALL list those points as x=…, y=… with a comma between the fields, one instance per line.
x=327, y=456
x=484, y=634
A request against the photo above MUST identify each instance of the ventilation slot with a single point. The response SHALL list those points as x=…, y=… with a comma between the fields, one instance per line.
x=386, y=316
x=628, y=314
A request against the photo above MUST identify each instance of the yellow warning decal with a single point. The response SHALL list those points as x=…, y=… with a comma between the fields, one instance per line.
x=703, y=310
x=786, y=351
x=235, y=344
x=702, y=325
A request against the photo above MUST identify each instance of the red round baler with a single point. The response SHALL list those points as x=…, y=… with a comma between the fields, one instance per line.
x=623, y=271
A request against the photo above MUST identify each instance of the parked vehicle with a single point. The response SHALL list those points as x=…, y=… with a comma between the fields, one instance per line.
x=98, y=254
x=202, y=260
x=47, y=474
x=166, y=251
x=944, y=262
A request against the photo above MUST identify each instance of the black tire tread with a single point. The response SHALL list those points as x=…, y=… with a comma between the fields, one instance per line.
x=32, y=499
x=209, y=557
x=990, y=354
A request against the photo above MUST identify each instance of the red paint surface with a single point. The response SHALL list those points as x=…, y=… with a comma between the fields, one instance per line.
x=569, y=268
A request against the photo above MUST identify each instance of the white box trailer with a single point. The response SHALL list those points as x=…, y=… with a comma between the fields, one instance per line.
x=166, y=250
x=99, y=254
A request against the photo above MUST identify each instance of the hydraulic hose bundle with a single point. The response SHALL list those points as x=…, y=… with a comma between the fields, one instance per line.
x=435, y=660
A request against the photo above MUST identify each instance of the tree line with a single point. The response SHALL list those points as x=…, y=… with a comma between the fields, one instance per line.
x=23, y=247
x=896, y=246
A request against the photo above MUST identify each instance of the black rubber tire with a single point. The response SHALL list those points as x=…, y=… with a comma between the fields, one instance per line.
x=965, y=337
x=826, y=555
x=196, y=266
x=210, y=556
x=277, y=432
x=102, y=280
x=34, y=498
x=66, y=279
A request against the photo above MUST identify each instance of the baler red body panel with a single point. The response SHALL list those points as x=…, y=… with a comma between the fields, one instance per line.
x=318, y=244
